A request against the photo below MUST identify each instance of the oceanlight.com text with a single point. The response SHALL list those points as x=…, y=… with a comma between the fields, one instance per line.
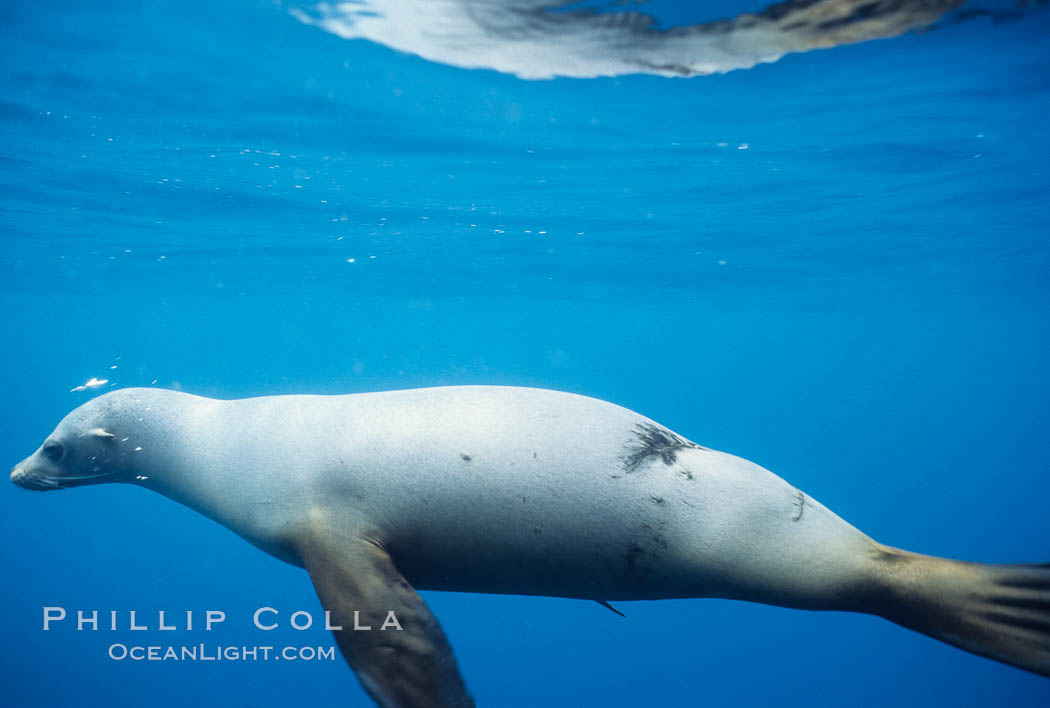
x=205, y=652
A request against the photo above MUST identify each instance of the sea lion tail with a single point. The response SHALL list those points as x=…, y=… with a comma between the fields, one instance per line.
x=998, y=611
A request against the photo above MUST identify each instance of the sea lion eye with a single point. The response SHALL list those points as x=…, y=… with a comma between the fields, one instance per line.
x=53, y=451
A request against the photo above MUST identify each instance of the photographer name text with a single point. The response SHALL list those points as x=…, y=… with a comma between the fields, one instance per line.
x=264, y=618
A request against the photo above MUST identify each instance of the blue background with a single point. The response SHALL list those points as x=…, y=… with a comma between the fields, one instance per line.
x=857, y=300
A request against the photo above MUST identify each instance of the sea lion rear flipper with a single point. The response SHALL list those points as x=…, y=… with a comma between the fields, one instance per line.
x=411, y=667
x=998, y=611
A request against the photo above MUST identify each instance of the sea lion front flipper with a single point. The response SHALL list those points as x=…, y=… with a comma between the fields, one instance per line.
x=411, y=667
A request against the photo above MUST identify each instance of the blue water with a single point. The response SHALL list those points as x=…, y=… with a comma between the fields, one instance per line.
x=836, y=266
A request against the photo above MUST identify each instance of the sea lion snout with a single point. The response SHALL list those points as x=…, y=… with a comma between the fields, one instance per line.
x=23, y=476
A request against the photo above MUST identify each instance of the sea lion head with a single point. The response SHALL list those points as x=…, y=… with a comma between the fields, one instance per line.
x=89, y=446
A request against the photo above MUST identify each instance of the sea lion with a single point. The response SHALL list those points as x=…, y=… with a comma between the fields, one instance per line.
x=541, y=39
x=515, y=490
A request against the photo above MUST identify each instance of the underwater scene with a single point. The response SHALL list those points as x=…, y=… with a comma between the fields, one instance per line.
x=812, y=235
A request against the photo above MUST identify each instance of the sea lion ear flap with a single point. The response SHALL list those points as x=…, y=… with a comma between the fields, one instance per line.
x=100, y=433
